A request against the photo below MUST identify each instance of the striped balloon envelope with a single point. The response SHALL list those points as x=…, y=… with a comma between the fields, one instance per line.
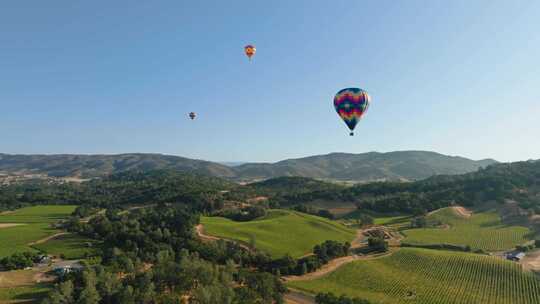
x=351, y=104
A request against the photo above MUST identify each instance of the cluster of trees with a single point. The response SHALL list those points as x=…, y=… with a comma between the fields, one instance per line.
x=518, y=181
x=19, y=260
x=322, y=254
x=151, y=255
x=528, y=247
x=244, y=214
x=419, y=222
x=314, y=211
x=377, y=244
x=171, y=279
x=330, y=298
x=127, y=188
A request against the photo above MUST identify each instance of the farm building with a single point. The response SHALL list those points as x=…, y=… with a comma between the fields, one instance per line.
x=377, y=232
x=515, y=256
x=43, y=259
x=66, y=267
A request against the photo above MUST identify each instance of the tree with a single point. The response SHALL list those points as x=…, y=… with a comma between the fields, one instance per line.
x=366, y=219
x=252, y=241
x=89, y=295
x=304, y=269
x=419, y=222
x=377, y=244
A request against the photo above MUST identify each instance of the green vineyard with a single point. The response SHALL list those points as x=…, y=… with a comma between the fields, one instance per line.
x=480, y=231
x=424, y=276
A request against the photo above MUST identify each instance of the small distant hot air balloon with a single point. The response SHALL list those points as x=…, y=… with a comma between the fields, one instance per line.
x=192, y=115
x=351, y=104
x=250, y=50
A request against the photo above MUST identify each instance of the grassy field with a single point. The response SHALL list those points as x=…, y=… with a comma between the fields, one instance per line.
x=480, y=231
x=280, y=232
x=71, y=246
x=423, y=276
x=26, y=294
x=37, y=222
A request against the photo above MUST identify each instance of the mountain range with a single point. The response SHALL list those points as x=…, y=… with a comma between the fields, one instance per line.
x=363, y=167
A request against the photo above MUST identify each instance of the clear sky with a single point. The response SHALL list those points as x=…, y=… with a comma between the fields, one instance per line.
x=456, y=77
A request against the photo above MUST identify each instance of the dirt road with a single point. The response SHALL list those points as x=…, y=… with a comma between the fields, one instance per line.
x=199, y=229
x=531, y=261
x=334, y=264
x=462, y=211
x=7, y=225
x=296, y=297
x=357, y=242
x=200, y=233
x=48, y=238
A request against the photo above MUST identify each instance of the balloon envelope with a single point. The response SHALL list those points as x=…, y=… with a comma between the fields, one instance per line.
x=351, y=104
x=192, y=115
x=250, y=50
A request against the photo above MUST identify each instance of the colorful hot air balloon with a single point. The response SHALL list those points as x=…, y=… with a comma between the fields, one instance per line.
x=351, y=104
x=192, y=115
x=250, y=50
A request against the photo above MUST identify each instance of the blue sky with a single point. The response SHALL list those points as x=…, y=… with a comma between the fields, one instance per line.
x=456, y=77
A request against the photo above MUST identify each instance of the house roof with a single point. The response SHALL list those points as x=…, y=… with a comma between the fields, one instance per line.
x=516, y=254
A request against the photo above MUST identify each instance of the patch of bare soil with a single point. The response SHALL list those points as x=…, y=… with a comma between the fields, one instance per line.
x=462, y=211
x=340, y=211
x=15, y=278
x=531, y=261
x=7, y=225
x=444, y=226
x=200, y=233
x=535, y=218
x=42, y=277
x=74, y=179
x=48, y=238
x=257, y=199
x=357, y=242
x=296, y=297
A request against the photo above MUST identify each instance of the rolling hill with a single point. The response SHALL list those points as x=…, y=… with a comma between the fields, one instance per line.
x=483, y=230
x=401, y=165
x=280, y=232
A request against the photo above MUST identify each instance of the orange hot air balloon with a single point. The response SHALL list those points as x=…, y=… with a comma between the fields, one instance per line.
x=250, y=50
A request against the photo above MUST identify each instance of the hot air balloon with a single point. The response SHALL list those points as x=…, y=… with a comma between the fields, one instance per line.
x=192, y=115
x=250, y=50
x=351, y=104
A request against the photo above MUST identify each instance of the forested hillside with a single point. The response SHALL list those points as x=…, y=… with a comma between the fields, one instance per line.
x=126, y=188
x=519, y=182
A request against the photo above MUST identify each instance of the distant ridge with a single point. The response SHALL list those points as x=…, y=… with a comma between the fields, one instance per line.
x=399, y=165
x=232, y=164
x=371, y=166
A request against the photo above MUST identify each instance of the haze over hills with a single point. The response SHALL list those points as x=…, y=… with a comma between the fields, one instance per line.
x=400, y=165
